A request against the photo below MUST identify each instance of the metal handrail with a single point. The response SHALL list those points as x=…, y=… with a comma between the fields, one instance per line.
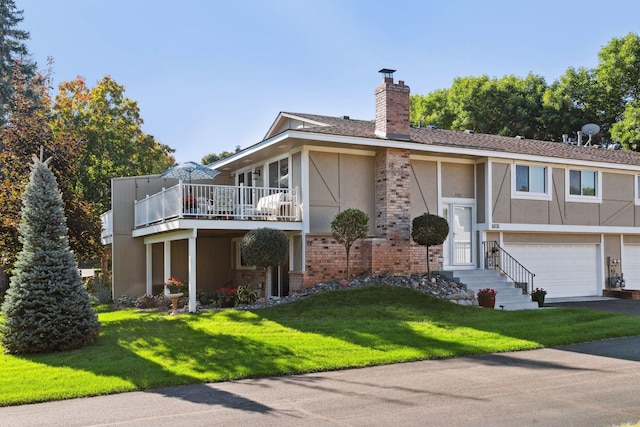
x=499, y=259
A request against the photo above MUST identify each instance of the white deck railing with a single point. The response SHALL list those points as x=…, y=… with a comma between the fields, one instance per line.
x=106, y=235
x=218, y=202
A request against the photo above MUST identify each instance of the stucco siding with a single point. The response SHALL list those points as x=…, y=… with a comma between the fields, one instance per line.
x=529, y=211
x=616, y=208
x=480, y=192
x=501, y=192
x=631, y=238
x=424, y=188
x=339, y=181
x=550, y=238
x=458, y=180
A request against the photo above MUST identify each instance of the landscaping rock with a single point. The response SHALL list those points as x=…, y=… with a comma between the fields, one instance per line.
x=436, y=285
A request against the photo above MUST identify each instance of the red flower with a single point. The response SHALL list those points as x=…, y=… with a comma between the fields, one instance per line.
x=487, y=293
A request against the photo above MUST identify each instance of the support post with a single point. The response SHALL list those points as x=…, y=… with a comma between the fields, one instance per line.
x=149, y=268
x=192, y=274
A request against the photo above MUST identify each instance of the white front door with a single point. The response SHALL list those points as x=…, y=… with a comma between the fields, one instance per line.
x=458, y=248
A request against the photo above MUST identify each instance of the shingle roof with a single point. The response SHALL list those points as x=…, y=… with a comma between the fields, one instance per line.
x=474, y=141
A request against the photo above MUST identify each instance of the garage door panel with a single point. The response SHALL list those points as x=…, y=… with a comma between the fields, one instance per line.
x=563, y=270
x=631, y=266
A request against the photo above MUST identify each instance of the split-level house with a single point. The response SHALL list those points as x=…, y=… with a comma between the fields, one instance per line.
x=568, y=214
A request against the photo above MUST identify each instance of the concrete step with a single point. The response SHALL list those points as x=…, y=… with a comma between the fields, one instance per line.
x=508, y=296
x=512, y=306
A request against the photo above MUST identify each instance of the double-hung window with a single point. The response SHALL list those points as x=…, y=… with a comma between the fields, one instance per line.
x=583, y=185
x=531, y=182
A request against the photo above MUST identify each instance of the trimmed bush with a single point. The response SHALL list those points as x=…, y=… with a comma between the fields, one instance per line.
x=347, y=227
x=429, y=230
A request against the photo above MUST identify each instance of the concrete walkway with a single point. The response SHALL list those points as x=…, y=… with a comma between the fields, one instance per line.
x=589, y=384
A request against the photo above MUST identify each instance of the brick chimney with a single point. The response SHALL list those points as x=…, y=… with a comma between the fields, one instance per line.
x=392, y=108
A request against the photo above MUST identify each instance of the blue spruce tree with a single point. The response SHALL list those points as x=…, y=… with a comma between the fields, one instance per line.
x=46, y=308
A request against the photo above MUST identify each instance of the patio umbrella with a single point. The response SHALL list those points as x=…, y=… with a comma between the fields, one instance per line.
x=189, y=170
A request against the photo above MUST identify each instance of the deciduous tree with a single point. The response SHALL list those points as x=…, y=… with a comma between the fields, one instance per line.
x=26, y=133
x=429, y=230
x=265, y=247
x=213, y=157
x=347, y=227
x=110, y=128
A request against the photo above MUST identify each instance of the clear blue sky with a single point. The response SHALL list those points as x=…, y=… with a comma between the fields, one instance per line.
x=211, y=75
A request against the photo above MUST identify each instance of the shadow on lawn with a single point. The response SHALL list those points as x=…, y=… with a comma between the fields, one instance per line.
x=389, y=313
x=151, y=351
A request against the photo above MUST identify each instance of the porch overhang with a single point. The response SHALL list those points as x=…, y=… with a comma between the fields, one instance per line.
x=217, y=224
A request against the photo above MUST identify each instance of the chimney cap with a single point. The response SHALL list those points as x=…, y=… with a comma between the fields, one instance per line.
x=388, y=73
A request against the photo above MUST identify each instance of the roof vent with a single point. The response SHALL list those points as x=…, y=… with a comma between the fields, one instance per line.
x=519, y=137
x=469, y=131
x=431, y=127
x=344, y=117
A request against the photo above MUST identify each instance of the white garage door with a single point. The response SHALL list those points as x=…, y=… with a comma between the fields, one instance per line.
x=631, y=266
x=562, y=270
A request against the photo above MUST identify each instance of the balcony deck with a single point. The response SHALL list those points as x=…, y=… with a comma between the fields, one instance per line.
x=202, y=201
x=202, y=206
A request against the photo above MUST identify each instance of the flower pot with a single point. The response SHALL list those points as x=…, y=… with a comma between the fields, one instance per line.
x=227, y=302
x=487, y=302
x=174, y=297
x=539, y=299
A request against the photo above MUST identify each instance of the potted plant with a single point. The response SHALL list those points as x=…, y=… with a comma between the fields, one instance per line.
x=174, y=286
x=190, y=203
x=174, y=289
x=538, y=296
x=226, y=297
x=487, y=297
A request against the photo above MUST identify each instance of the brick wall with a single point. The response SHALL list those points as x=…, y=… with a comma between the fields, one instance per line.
x=392, y=109
x=390, y=253
x=326, y=259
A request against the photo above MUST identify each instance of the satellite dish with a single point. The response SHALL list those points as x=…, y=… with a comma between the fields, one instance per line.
x=590, y=129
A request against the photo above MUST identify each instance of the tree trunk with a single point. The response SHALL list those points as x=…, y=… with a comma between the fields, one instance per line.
x=428, y=267
x=348, y=266
x=4, y=283
x=264, y=287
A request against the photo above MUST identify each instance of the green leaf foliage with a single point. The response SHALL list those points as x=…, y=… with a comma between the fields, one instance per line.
x=26, y=133
x=46, y=308
x=213, y=157
x=13, y=52
x=429, y=230
x=606, y=94
x=110, y=126
x=264, y=247
x=347, y=227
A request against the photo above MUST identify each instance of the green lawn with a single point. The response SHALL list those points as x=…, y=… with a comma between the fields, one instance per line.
x=333, y=330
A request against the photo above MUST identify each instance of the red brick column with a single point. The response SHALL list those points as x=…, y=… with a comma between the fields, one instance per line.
x=391, y=252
